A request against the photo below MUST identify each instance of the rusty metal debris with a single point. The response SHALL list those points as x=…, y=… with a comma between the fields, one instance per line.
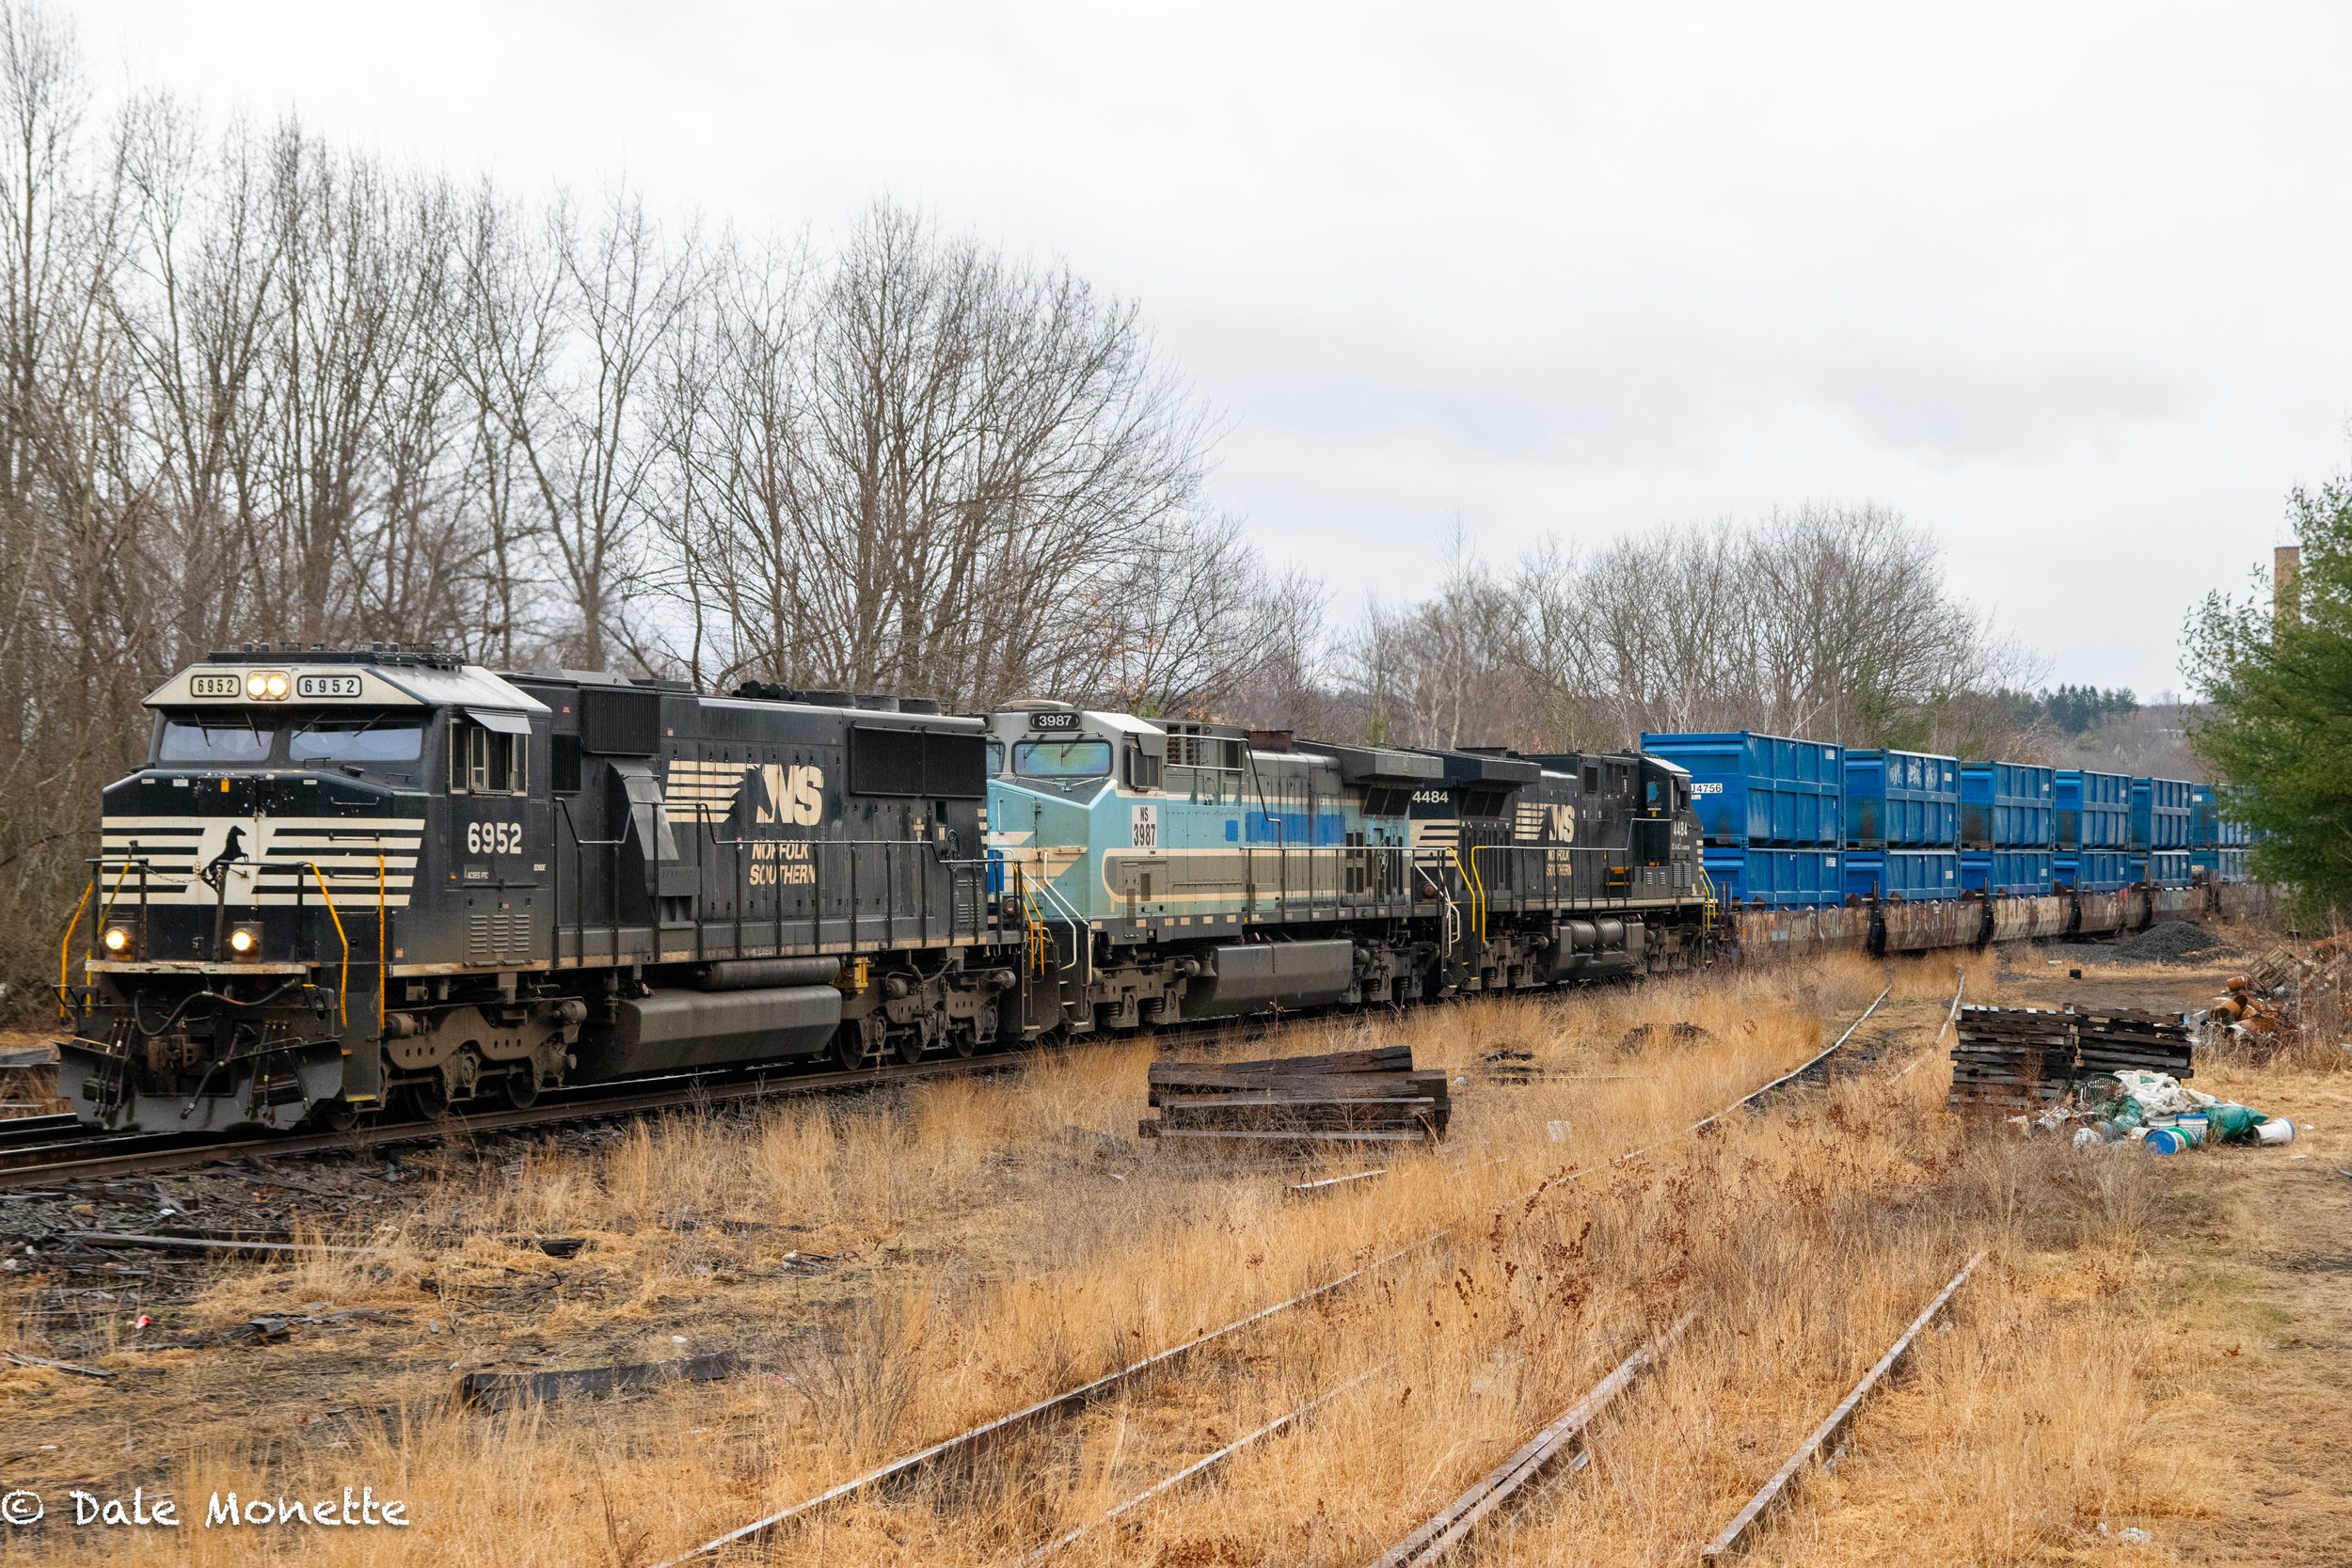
x=1786, y=1477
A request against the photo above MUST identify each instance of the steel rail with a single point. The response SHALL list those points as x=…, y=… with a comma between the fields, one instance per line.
x=1793, y=1074
x=1777, y=1487
x=967, y=1444
x=1951, y=1017
x=973, y=1440
x=1752, y=1097
x=117, y=1153
x=1200, y=1466
x=102, y=1157
x=1453, y=1524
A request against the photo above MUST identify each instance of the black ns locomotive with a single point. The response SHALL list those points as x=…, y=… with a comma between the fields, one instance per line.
x=349, y=878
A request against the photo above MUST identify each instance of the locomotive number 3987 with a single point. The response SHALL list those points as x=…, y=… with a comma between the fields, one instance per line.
x=494, y=838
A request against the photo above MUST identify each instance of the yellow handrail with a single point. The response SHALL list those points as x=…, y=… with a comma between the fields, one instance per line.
x=65, y=949
x=1478, y=889
x=114, y=891
x=342, y=1009
x=383, y=975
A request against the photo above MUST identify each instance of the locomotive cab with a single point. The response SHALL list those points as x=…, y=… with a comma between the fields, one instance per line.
x=261, y=875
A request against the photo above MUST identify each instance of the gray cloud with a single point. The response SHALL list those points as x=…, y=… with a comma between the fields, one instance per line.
x=2064, y=283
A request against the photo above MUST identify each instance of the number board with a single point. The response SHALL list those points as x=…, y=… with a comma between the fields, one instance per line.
x=214, y=685
x=1057, y=721
x=326, y=685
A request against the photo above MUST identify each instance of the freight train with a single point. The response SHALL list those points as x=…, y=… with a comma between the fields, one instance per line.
x=354, y=881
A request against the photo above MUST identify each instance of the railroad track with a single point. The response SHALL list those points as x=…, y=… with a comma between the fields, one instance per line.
x=51, y=1155
x=962, y=1453
x=37, y=1151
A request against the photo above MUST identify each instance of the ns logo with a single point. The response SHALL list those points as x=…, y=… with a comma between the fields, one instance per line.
x=795, y=794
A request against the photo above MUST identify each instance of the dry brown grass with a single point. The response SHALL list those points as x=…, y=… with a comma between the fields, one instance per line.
x=1002, y=1240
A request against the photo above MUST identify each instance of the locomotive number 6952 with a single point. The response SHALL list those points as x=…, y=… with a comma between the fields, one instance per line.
x=494, y=838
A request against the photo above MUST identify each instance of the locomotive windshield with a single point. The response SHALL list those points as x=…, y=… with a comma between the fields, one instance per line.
x=1062, y=759
x=215, y=738
x=225, y=738
x=356, y=737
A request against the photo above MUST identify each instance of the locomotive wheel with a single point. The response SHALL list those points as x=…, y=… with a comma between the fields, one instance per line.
x=962, y=1040
x=334, y=1115
x=910, y=1047
x=521, y=1089
x=430, y=1097
x=848, y=1047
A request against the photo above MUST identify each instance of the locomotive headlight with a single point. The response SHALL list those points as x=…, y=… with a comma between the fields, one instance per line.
x=268, y=686
x=244, y=942
x=116, y=942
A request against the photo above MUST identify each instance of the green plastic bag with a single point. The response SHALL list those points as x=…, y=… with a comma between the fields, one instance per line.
x=2227, y=1123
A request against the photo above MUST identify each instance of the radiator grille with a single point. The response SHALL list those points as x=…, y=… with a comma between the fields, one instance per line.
x=497, y=936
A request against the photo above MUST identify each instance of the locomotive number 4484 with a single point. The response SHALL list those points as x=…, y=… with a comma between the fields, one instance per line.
x=494, y=838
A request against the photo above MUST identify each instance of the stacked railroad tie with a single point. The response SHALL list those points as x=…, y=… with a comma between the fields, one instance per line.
x=2112, y=1040
x=2013, y=1059
x=1348, y=1097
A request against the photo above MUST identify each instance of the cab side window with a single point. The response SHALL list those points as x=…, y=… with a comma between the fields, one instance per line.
x=485, y=762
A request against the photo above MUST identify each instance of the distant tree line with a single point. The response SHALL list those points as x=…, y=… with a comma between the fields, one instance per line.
x=1830, y=621
x=2074, y=710
x=257, y=386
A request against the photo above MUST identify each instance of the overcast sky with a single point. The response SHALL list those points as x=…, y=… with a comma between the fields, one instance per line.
x=2067, y=284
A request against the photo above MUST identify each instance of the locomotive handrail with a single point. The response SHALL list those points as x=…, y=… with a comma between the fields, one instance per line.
x=65, y=950
x=343, y=993
x=612, y=892
x=383, y=975
x=1478, y=889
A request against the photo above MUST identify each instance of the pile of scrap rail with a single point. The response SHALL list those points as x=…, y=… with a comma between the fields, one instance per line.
x=2025, y=1059
x=1348, y=1097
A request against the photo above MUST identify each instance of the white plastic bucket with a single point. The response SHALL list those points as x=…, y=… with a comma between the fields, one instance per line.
x=2277, y=1130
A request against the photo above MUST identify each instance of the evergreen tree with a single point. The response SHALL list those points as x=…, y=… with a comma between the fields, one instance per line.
x=2279, y=723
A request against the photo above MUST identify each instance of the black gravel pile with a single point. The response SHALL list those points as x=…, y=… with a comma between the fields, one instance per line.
x=2169, y=941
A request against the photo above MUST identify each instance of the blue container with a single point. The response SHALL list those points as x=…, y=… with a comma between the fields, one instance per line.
x=2094, y=809
x=1751, y=789
x=2166, y=867
x=2007, y=805
x=2161, y=813
x=1776, y=878
x=2095, y=870
x=2223, y=865
x=1902, y=800
x=2006, y=873
x=2208, y=828
x=1911, y=875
